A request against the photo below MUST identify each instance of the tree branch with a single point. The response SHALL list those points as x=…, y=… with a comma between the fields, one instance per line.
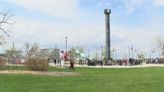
x=4, y=31
x=5, y=20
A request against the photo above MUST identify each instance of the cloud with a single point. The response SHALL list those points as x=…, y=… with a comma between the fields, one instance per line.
x=59, y=8
x=129, y=5
x=47, y=35
x=132, y=5
x=159, y=2
x=140, y=37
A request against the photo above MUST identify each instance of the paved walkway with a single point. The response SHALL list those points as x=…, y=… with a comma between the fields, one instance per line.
x=118, y=66
x=113, y=66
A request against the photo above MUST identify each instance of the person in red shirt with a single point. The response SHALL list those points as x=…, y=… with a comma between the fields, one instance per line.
x=71, y=59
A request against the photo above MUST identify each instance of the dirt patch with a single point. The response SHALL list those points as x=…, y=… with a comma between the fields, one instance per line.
x=39, y=73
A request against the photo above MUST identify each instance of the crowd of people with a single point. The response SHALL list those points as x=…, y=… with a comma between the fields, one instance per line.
x=128, y=62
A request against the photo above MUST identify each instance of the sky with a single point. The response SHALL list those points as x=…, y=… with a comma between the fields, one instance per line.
x=47, y=22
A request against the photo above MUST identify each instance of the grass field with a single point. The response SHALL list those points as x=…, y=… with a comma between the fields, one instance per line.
x=89, y=80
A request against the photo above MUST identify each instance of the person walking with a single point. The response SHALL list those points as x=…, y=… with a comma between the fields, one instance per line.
x=71, y=59
x=62, y=59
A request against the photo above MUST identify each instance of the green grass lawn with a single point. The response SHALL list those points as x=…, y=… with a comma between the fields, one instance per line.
x=89, y=80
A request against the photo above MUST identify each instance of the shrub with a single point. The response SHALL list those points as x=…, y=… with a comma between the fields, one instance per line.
x=37, y=64
x=2, y=63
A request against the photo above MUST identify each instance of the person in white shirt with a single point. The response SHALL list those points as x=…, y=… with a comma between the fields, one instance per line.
x=62, y=59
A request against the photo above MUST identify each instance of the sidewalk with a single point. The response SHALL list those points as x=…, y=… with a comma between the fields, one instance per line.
x=118, y=66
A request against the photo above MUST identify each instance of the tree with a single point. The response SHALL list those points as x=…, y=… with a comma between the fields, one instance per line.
x=27, y=49
x=31, y=50
x=5, y=19
x=13, y=52
x=55, y=54
x=96, y=56
x=2, y=40
x=76, y=51
x=73, y=52
x=160, y=44
x=44, y=53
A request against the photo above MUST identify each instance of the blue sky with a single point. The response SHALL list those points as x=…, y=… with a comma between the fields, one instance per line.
x=47, y=22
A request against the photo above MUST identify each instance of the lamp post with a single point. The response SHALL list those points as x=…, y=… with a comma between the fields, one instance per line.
x=132, y=49
x=66, y=39
x=129, y=52
x=107, y=13
x=114, y=53
x=102, y=53
x=88, y=53
x=135, y=53
x=151, y=52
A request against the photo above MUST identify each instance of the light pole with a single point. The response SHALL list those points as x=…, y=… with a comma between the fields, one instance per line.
x=107, y=13
x=135, y=53
x=102, y=53
x=151, y=52
x=114, y=53
x=88, y=53
x=66, y=39
x=129, y=52
x=132, y=50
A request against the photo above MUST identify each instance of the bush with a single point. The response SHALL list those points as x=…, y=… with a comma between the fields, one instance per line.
x=37, y=64
x=2, y=63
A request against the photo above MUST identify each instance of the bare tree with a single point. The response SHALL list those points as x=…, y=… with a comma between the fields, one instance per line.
x=5, y=19
x=27, y=48
x=160, y=44
x=13, y=52
x=2, y=40
x=31, y=50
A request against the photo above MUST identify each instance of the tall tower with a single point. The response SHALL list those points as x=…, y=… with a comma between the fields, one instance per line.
x=107, y=13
